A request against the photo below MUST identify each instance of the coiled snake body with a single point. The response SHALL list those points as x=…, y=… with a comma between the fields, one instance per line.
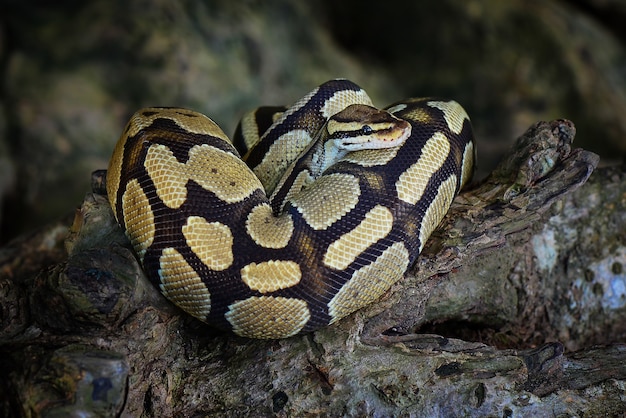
x=354, y=192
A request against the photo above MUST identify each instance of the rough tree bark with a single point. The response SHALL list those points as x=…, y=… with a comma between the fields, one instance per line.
x=522, y=272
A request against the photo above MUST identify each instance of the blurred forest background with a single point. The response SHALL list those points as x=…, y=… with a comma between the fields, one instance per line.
x=73, y=72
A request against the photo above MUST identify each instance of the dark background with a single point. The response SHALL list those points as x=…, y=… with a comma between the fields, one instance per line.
x=73, y=72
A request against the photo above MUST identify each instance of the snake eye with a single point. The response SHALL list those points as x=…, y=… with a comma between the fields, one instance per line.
x=366, y=129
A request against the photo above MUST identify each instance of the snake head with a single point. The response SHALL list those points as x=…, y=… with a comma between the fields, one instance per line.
x=360, y=127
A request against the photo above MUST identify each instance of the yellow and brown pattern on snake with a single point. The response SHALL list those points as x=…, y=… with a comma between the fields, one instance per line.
x=203, y=226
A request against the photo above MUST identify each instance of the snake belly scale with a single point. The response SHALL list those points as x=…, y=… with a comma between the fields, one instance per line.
x=333, y=203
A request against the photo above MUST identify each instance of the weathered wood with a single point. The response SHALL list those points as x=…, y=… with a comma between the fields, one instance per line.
x=481, y=326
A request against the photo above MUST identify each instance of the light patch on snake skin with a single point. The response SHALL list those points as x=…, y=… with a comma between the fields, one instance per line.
x=250, y=130
x=467, y=163
x=371, y=157
x=397, y=108
x=267, y=230
x=215, y=170
x=376, y=225
x=212, y=242
x=411, y=184
x=370, y=282
x=419, y=114
x=268, y=317
x=279, y=156
x=328, y=199
x=437, y=209
x=181, y=284
x=453, y=113
x=167, y=174
x=271, y=275
x=138, y=218
x=187, y=119
x=222, y=173
x=342, y=99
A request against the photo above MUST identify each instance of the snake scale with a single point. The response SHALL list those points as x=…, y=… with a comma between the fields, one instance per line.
x=329, y=206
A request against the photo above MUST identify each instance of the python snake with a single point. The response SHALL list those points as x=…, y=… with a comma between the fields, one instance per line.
x=333, y=203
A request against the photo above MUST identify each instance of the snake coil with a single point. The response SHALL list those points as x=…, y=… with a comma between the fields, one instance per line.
x=333, y=203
